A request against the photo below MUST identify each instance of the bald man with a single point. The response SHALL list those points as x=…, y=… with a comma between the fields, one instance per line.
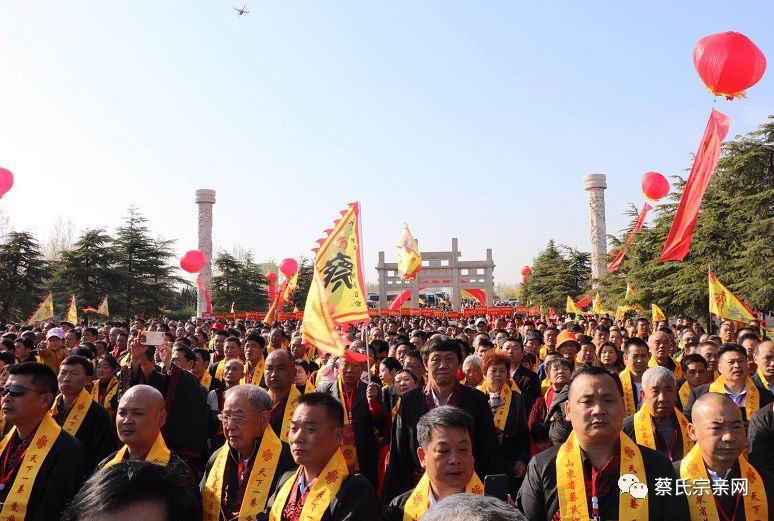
x=717, y=428
x=139, y=419
x=279, y=375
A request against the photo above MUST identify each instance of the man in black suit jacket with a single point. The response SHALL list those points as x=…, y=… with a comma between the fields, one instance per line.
x=734, y=382
x=527, y=380
x=442, y=357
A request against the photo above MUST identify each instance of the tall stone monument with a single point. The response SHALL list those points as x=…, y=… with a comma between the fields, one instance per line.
x=595, y=185
x=204, y=200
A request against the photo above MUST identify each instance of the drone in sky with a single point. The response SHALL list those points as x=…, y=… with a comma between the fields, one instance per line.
x=243, y=11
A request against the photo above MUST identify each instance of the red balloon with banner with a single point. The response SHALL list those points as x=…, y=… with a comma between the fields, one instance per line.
x=728, y=63
x=525, y=272
x=193, y=261
x=654, y=185
x=288, y=267
x=272, y=278
x=6, y=181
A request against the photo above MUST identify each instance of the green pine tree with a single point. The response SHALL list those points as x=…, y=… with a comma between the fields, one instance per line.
x=24, y=275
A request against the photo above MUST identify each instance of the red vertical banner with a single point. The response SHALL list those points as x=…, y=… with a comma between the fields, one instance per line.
x=679, y=239
x=616, y=262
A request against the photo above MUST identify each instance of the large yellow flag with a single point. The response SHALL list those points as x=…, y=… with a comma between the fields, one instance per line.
x=72, y=312
x=45, y=311
x=410, y=260
x=657, y=314
x=724, y=304
x=629, y=291
x=571, y=307
x=337, y=293
x=102, y=309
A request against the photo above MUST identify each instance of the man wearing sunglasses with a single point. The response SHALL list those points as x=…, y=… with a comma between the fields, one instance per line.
x=78, y=414
x=41, y=465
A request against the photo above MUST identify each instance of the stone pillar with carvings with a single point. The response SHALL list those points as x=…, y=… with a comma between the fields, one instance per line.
x=595, y=185
x=204, y=200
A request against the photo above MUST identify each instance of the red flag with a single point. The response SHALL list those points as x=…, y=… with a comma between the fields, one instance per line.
x=679, y=240
x=582, y=303
x=200, y=283
x=616, y=262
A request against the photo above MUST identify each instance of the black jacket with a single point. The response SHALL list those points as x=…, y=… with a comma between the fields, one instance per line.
x=95, y=433
x=760, y=439
x=696, y=392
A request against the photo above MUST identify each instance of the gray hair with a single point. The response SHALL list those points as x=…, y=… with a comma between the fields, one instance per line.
x=259, y=399
x=658, y=376
x=472, y=359
x=472, y=507
x=444, y=416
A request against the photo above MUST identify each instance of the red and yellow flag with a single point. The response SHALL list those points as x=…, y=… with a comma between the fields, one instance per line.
x=477, y=294
x=616, y=262
x=102, y=309
x=724, y=304
x=45, y=310
x=410, y=260
x=337, y=293
x=629, y=291
x=572, y=307
x=72, y=313
x=597, y=307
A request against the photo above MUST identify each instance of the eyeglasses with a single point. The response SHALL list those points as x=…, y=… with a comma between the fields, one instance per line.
x=239, y=420
x=17, y=391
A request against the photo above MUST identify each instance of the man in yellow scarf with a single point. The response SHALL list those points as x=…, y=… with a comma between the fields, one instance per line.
x=445, y=453
x=241, y=475
x=280, y=373
x=732, y=486
x=44, y=464
x=734, y=382
x=580, y=478
x=659, y=425
x=660, y=344
x=140, y=416
x=322, y=488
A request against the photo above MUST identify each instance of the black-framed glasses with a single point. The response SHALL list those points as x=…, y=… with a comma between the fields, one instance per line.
x=17, y=391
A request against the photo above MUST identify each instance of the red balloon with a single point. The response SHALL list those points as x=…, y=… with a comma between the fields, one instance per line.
x=288, y=267
x=654, y=185
x=6, y=181
x=271, y=277
x=526, y=270
x=728, y=63
x=193, y=261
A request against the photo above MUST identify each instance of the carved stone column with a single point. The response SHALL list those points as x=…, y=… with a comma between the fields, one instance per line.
x=204, y=200
x=595, y=185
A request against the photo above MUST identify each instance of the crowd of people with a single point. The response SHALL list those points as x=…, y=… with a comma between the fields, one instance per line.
x=495, y=419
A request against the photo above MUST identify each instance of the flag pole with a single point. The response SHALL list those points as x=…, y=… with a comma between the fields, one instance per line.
x=365, y=297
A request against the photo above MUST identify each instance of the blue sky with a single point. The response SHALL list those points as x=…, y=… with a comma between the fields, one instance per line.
x=468, y=119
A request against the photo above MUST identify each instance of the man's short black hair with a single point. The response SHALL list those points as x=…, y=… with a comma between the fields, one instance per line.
x=731, y=348
x=257, y=337
x=115, y=488
x=442, y=344
x=7, y=358
x=414, y=354
x=634, y=341
x=110, y=360
x=205, y=354
x=188, y=353
x=693, y=358
x=234, y=339
x=392, y=363
x=379, y=346
x=329, y=403
x=596, y=371
x=221, y=332
x=27, y=341
x=81, y=361
x=43, y=377
x=444, y=416
x=748, y=336
x=303, y=364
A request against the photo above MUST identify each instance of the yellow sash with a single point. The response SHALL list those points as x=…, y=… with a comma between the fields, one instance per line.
x=112, y=389
x=158, y=454
x=206, y=380
x=419, y=500
x=484, y=388
x=685, y=393
x=258, y=485
x=220, y=369
x=308, y=387
x=630, y=402
x=678, y=371
x=752, y=401
x=571, y=486
x=257, y=374
x=643, y=428
x=77, y=412
x=15, y=506
x=348, y=449
x=501, y=413
x=290, y=407
x=545, y=385
x=394, y=408
x=324, y=489
x=756, y=506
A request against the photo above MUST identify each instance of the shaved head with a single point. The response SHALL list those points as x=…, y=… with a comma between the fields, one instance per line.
x=145, y=394
x=718, y=429
x=281, y=354
x=710, y=405
x=140, y=417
